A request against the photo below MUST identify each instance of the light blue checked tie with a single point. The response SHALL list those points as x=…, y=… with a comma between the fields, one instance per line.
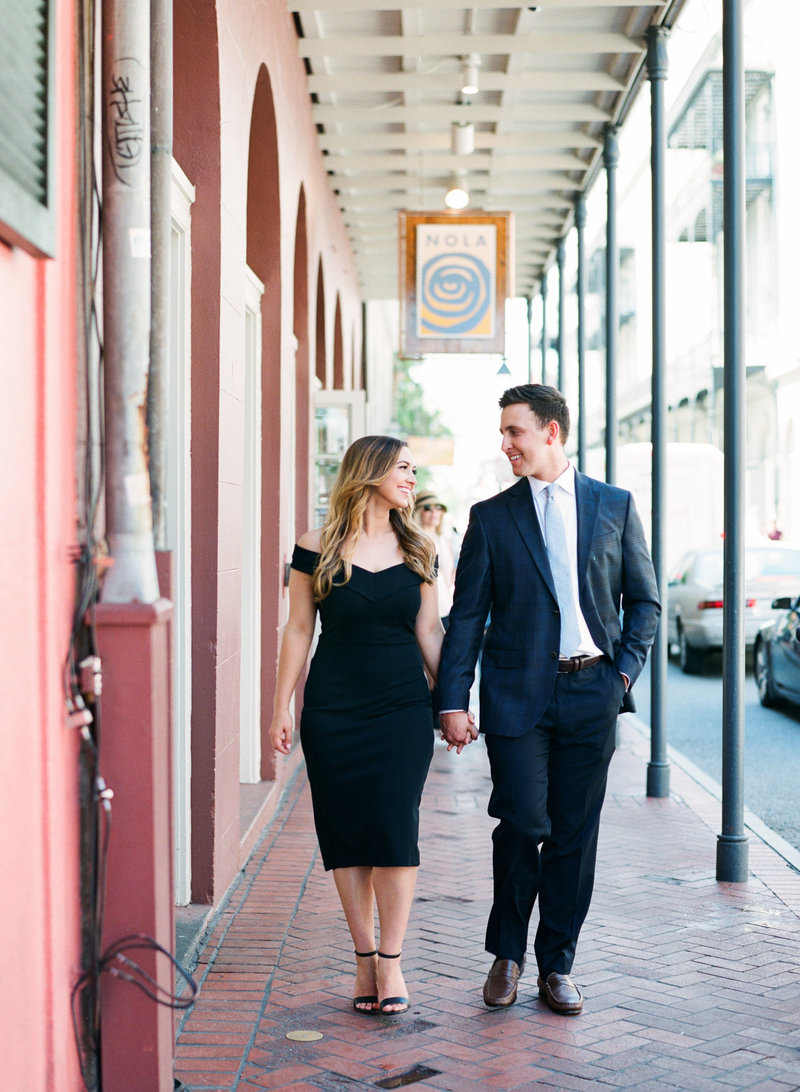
x=559, y=566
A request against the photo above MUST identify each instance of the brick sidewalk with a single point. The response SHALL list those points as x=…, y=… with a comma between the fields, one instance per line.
x=689, y=984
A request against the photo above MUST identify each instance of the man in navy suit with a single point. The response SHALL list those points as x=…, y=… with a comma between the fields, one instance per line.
x=573, y=602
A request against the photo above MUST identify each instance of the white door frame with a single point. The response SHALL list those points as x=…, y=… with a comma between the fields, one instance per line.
x=349, y=409
x=179, y=520
x=250, y=677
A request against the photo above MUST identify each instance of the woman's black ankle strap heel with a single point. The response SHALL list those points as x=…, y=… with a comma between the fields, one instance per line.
x=367, y=1003
x=402, y=1001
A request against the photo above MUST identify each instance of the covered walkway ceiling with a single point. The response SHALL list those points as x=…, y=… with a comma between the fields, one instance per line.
x=385, y=78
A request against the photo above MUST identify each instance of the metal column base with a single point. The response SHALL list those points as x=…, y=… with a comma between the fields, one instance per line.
x=732, y=859
x=658, y=779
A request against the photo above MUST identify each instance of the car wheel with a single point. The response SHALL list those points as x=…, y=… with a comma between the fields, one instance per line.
x=766, y=691
x=690, y=659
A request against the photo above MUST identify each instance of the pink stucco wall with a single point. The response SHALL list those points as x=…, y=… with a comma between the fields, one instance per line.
x=245, y=137
x=216, y=75
x=39, y=912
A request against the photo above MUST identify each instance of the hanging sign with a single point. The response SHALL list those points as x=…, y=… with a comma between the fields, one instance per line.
x=453, y=282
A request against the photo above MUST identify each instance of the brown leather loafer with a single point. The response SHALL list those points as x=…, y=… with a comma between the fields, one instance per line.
x=561, y=994
x=500, y=987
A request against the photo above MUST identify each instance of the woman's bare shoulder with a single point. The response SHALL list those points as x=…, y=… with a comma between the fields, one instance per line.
x=311, y=540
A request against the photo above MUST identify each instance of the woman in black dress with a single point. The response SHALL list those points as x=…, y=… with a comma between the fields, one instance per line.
x=366, y=722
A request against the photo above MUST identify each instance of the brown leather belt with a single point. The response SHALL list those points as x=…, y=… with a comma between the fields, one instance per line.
x=577, y=663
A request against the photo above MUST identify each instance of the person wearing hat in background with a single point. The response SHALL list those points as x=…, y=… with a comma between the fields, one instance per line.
x=430, y=510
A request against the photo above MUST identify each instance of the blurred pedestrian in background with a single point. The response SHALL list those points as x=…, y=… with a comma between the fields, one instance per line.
x=430, y=511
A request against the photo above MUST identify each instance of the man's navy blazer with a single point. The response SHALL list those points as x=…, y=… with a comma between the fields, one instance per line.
x=504, y=575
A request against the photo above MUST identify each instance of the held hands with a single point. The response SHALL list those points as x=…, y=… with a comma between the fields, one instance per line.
x=280, y=731
x=458, y=729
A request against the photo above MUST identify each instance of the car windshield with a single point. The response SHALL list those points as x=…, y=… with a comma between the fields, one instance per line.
x=758, y=562
x=710, y=569
x=768, y=562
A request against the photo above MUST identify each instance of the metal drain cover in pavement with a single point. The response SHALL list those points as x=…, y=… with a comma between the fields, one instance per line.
x=302, y=1036
x=416, y=1073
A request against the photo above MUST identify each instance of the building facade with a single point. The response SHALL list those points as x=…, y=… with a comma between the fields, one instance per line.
x=264, y=320
x=694, y=262
x=138, y=775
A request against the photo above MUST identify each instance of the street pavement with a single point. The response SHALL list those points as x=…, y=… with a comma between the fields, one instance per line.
x=690, y=984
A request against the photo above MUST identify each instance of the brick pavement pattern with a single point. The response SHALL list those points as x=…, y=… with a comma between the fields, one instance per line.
x=690, y=985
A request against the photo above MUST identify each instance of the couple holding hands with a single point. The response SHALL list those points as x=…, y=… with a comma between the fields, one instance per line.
x=560, y=565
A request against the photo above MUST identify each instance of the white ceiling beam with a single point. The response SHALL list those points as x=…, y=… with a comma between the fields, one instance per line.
x=536, y=212
x=524, y=23
x=366, y=251
x=555, y=112
x=418, y=197
x=346, y=165
x=523, y=241
x=567, y=41
x=531, y=245
x=528, y=225
x=411, y=24
x=551, y=228
x=532, y=227
x=342, y=6
x=535, y=182
x=313, y=28
x=398, y=83
x=357, y=142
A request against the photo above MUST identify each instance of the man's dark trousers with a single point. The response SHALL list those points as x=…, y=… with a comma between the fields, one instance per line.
x=548, y=789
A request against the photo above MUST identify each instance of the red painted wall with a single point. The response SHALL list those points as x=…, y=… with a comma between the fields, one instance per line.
x=39, y=912
x=245, y=137
x=215, y=85
x=196, y=148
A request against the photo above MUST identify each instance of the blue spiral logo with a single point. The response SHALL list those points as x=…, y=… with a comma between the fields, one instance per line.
x=455, y=293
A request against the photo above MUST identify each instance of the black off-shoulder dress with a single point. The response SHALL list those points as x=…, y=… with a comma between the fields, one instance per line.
x=366, y=722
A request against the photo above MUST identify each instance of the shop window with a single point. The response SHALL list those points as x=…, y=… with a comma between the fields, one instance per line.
x=26, y=121
x=339, y=419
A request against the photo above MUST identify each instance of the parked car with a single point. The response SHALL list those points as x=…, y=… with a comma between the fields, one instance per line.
x=776, y=656
x=694, y=597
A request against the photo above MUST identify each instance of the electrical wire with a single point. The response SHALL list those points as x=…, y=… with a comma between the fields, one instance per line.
x=83, y=710
x=121, y=966
x=81, y=690
x=86, y=994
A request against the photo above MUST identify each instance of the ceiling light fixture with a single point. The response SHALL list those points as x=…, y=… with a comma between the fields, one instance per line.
x=457, y=196
x=462, y=138
x=469, y=74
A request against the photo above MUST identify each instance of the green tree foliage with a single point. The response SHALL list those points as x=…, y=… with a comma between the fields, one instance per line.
x=410, y=413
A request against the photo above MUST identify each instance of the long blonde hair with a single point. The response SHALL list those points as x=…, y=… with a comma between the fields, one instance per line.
x=367, y=463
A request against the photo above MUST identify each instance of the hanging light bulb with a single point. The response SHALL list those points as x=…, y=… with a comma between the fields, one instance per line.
x=457, y=196
x=469, y=74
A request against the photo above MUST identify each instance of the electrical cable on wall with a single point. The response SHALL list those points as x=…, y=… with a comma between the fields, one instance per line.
x=82, y=666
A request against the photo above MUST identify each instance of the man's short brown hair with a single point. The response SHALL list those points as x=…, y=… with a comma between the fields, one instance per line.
x=547, y=404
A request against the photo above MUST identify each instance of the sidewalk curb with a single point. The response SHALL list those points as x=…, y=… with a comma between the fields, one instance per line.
x=751, y=821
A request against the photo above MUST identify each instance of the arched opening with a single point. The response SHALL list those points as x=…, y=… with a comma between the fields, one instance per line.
x=338, y=348
x=320, y=348
x=358, y=364
x=263, y=259
x=302, y=370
